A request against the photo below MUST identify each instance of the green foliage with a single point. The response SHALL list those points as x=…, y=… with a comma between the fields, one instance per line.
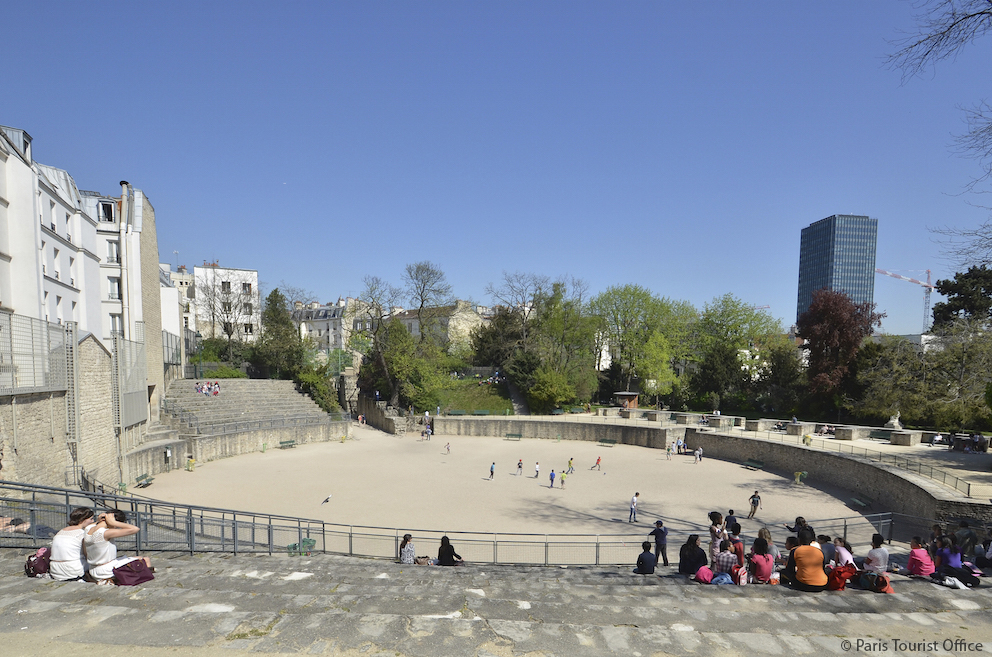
x=280, y=353
x=564, y=337
x=220, y=350
x=224, y=372
x=720, y=373
x=495, y=343
x=780, y=383
x=969, y=295
x=317, y=384
x=656, y=366
x=550, y=390
x=730, y=321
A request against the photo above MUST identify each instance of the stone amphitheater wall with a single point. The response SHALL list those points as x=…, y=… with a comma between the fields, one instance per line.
x=211, y=448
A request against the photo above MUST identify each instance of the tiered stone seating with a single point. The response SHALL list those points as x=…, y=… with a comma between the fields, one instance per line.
x=335, y=605
x=240, y=400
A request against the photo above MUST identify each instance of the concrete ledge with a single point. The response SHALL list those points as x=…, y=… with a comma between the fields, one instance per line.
x=906, y=437
x=643, y=436
x=719, y=421
x=211, y=448
x=760, y=425
x=851, y=433
x=800, y=428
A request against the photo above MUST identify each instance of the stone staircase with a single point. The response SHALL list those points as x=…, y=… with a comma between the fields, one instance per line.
x=328, y=604
x=239, y=400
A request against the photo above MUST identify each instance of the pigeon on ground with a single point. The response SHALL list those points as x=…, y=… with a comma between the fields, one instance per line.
x=326, y=500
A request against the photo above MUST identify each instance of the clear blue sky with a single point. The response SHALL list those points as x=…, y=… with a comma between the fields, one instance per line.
x=681, y=146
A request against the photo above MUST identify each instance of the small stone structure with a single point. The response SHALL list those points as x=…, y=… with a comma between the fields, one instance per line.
x=800, y=428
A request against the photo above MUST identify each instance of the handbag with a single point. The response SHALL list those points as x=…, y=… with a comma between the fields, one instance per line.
x=133, y=573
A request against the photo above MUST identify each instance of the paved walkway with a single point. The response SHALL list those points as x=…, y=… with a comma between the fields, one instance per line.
x=409, y=484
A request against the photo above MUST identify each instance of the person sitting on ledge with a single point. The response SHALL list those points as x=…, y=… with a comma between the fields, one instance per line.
x=446, y=555
x=645, y=560
x=805, y=569
x=691, y=556
x=843, y=554
x=726, y=559
x=920, y=564
x=761, y=563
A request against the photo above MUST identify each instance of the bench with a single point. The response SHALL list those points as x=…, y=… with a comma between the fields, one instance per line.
x=880, y=434
x=753, y=465
x=607, y=442
x=480, y=411
x=283, y=444
x=514, y=436
x=143, y=481
x=672, y=417
x=303, y=548
x=557, y=411
x=862, y=502
x=457, y=412
x=578, y=409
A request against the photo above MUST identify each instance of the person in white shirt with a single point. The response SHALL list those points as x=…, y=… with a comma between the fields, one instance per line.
x=101, y=552
x=67, y=561
x=878, y=557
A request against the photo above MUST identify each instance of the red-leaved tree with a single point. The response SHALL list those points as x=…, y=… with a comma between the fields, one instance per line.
x=833, y=329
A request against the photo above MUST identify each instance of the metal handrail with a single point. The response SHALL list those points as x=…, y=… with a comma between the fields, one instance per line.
x=188, y=528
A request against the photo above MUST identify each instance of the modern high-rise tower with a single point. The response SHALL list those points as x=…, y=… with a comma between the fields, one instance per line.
x=837, y=253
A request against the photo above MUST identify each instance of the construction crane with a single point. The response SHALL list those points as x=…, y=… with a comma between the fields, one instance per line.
x=927, y=289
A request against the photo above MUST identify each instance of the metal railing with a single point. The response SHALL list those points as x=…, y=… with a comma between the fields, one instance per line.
x=189, y=529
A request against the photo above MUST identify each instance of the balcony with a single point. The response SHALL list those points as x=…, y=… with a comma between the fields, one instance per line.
x=53, y=228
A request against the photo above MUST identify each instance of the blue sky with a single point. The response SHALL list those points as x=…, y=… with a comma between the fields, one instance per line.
x=680, y=146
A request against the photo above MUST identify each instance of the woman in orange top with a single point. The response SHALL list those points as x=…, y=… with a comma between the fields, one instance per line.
x=804, y=570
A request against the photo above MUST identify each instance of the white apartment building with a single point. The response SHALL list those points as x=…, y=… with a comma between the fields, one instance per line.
x=324, y=324
x=183, y=280
x=228, y=304
x=48, y=260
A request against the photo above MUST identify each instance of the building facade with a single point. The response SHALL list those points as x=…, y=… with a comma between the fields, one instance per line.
x=838, y=254
x=228, y=304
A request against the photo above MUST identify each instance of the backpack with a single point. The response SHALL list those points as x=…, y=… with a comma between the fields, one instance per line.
x=873, y=581
x=37, y=563
x=740, y=575
x=704, y=575
x=837, y=578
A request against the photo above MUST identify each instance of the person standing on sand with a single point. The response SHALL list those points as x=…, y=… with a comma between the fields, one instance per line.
x=599, y=460
x=562, y=478
x=570, y=468
x=520, y=467
x=537, y=470
x=492, y=470
x=448, y=448
x=633, y=508
x=552, y=479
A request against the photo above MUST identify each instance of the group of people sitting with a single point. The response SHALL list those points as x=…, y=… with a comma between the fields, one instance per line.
x=804, y=563
x=446, y=555
x=826, y=430
x=85, y=549
x=208, y=388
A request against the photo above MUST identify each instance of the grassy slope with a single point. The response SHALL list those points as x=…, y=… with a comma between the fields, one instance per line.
x=468, y=395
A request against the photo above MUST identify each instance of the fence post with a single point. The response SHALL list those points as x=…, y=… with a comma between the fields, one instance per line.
x=545, y=549
x=271, y=536
x=892, y=524
x=597, y=549
x=351, y=540
x=190, y=531
x=845, y=530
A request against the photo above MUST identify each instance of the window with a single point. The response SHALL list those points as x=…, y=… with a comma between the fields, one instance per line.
x=114, y=252
x=225, y=286
x=106, y=212
x=226, y=306
x=246, y=288
x=248, y=329
x=186, y=322
x=116, y=324
x=248, y=309
x=228, y=328
x=115, y=287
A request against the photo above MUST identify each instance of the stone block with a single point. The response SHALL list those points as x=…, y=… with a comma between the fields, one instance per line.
x=906, y=437
x=800, y=428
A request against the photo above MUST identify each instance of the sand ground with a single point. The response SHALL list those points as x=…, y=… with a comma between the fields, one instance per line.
x=411, y=484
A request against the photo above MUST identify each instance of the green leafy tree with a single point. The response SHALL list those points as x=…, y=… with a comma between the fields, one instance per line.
x=495, y=343
x=656, y=366
x=549, y=390
x=891, y=376
x=969, y=295
x=564, y=336
x=780, y=383
x=959, y=363
x=730, y=321
x=629, y=315
x=280, y=351
x=720, y=373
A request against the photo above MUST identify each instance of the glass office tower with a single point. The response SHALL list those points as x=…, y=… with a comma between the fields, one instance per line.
x=837, y=253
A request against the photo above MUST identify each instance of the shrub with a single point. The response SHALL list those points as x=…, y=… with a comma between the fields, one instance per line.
x=224, y=372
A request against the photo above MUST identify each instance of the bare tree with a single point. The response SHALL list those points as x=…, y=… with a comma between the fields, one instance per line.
x=227, y=303
x=944, y=27
x=517, y=292
x=294, y=294
x=429, y=291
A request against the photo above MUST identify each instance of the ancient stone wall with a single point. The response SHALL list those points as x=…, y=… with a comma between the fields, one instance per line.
x=644, y=436
x=33, y=438
x=211, y=448
x=97, y=449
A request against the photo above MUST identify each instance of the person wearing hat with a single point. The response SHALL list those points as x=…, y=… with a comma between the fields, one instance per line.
x=660, y=533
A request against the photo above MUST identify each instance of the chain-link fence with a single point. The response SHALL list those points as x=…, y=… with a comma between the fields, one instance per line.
x=32, y=355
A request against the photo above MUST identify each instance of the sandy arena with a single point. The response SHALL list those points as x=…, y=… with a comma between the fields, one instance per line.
x=381, y=480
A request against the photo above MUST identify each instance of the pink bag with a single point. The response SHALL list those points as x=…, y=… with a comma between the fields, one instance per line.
x=704, y=575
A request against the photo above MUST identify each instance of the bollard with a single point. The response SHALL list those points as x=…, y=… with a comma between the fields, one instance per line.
x=264, y=445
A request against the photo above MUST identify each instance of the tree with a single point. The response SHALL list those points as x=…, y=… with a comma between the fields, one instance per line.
x=429, y=292
x=370, y=317
x=729, y=320
x=780, y=382
x=968, y=295
x=944, y=28
x=280, y=351
x=517, y=292
x=496, y=342
x=227, y=304
x=629, y=315
x=891, y=376
x=563, y=336
x=833, y=329
x=721, y=374
x=294, y=295
x=959, y=365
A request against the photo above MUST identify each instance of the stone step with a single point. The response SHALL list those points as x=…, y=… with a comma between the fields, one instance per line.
x=322, y=603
